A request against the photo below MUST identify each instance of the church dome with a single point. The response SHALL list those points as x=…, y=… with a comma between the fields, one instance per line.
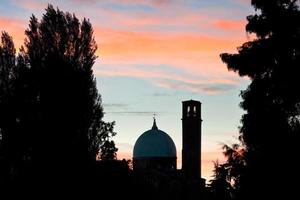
x=154, y=143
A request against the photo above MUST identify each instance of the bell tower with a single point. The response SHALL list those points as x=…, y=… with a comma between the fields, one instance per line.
x=191, y=140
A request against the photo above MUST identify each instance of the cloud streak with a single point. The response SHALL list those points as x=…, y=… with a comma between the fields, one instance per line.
x=135, y=113
x=115, y=105
x=123, y=43
x=229, y=25
x=212, y=88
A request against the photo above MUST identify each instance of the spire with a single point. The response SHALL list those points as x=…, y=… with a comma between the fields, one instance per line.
x=154, y=127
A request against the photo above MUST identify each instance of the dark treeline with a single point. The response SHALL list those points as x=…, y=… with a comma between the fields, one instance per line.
x=263, y=165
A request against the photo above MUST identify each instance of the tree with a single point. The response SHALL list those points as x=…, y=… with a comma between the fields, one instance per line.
x=220, y=186
x=13, y=143
x=235, y=164
x=51, y=112
x=7, y=121
x=227, y=176
x=271, y=124
x=108, y=151
x=51, y=125
x=68, y=111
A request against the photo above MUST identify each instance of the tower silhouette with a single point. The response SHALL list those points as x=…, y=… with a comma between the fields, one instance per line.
x=191, y=140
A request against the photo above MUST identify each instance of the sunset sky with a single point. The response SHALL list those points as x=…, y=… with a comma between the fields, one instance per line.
x=154, y=54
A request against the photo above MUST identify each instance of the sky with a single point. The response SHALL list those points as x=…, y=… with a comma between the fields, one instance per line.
x=154, y=54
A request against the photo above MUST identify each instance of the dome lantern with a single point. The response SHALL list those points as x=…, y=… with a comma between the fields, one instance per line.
x=154, y=127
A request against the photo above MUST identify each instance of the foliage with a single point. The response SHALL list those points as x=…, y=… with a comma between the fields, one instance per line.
x=108, y=151
x=50, y=107
x=227, y=176
x=271, y=123
x=7, y=110
x=220, y=186
x=235, y=163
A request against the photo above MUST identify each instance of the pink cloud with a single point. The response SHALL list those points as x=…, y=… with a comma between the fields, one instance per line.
x=229, y=25
x=121, y=53
x=134, y=71
x=147, y=20
x=114, y=42
x=195, y=54
x=157, y=3
x=83, y=1
x=247, y=2
x=15, y=28
x=213, y=88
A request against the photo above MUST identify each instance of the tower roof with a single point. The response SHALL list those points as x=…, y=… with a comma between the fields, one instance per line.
x=154, y=143
x=191, y=101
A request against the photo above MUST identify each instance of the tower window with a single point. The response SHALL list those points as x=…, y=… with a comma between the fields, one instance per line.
x=194, y=111
x=188, y=110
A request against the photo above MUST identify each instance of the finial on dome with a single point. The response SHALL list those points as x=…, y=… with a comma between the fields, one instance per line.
x=154, y=127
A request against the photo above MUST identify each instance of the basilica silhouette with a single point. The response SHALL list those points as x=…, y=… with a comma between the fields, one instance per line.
x=154, y=156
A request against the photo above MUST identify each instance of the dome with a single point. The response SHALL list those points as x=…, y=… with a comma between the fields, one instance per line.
x=154, y=143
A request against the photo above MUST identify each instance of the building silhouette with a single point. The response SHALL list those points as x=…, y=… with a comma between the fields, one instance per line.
x=155, y=148
x=191, y=140
x=154, y=159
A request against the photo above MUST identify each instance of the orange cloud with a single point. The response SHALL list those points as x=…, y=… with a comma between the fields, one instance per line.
x=15, y=28
x=128, y=71
x=147, y=20
x=120, y=42
x=147, y=2
x=230, y=25
x=121, y=52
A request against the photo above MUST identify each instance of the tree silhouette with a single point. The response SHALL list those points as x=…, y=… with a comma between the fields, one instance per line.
x=7, y=111
x=228, y=175
x=50, y=109
x=220, y=186
x=61, y=52
x=235, y=164
x=108, y=151
x=14, y=143
x=272, y=122
x=7, y=66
